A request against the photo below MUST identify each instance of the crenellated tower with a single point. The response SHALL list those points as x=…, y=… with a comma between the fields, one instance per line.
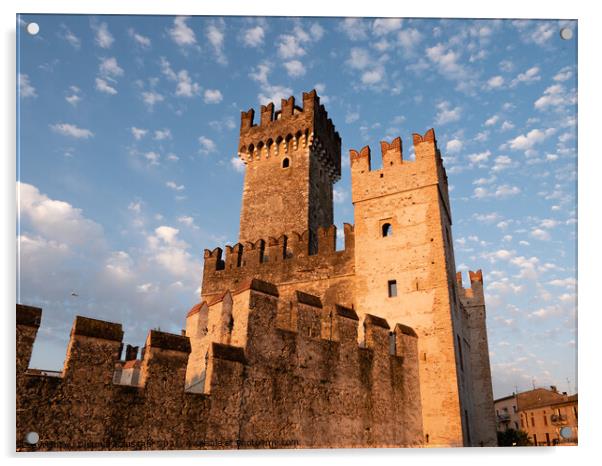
x=292, y=158
x=404, y=267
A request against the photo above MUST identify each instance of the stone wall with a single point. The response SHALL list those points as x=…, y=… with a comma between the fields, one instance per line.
x=473, y=301
x=308, y=385
x=286, y=262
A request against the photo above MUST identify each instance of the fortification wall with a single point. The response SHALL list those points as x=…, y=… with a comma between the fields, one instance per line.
x=286, y=262
x=473, y=301
x=308, y=385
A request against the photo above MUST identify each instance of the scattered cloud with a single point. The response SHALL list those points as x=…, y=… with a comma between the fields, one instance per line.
x=138, y=133
x=253, y=37
x=213, y=96
x=103, y=86
x=67, y=129
x=447, y=114
x=181, y=33
x=294, y=68
x=25, y=87
x=103, y=37
x=207, y=145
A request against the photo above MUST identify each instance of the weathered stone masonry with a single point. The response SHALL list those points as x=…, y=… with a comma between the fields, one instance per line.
x=284, y=348
x=266, y=385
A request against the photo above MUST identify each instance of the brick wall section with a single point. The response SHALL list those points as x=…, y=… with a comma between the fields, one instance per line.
x=269, y=387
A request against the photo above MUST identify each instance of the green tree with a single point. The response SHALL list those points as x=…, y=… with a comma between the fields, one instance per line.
x=513, y=438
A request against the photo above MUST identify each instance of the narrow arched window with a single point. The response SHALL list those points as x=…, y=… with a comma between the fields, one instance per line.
x=285, y=163
x=387, y=229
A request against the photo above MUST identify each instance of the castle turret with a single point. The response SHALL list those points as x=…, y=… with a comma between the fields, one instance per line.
x=405, y=271
x=293, y=158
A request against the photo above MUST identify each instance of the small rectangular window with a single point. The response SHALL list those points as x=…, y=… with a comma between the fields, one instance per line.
x=392, y=285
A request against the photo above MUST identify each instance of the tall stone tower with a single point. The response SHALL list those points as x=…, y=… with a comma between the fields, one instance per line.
x=404, y=267
x=292, y=159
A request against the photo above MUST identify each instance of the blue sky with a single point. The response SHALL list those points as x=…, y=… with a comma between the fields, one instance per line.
x=128, y=130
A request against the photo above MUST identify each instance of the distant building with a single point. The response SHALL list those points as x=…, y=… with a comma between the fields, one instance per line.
x=549, y=417
x=506, y=413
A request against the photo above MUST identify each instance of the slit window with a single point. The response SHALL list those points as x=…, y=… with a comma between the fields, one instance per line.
x=286, y=163
x=387, y=230
x=392, y=288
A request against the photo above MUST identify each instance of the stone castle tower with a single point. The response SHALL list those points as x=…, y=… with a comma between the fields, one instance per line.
x=294, y=344
x=398, y=260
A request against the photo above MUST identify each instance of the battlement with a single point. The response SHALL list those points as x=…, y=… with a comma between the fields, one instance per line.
x=397, y=174
x=474, y=295
x=289, y=129
x=305, y=351
x=285, y=259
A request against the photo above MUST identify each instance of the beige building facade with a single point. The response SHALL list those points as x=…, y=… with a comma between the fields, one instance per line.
x=549, y=417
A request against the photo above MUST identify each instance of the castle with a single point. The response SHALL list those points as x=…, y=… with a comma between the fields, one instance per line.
x=294, y=344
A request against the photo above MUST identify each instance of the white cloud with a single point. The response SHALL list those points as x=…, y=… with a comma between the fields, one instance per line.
x=138, y=133
x=67, y=129
x=71, y=38
x=186, y=220
x=253, y=37
x=175, y=186
x=507, y=125
x=152, y=157
x=502, y=162
x=564, y=283
x=446, y=114
x=294, y=68
x=359, y=58
x=181, y=34
x=354, y=28
x=25, y=87
x=553, y=96
x=55, y=220
x=216, y=34
x=409, y=39
x=151, y=98
x=73, y=98
x=110, y=68
x=207, y=145
x=529, y=76
x=161, y=134
x=564, y=74
x=237, y=164
x=495, y=82
x=373, y=76
x=103, y=37
x=543, y=32
x=290, y=47
x=540, y=234
x=453, y=146
x=531, y=139
x=141, y=40
x=186, y=87
x=480, y=157
x=448, y=64
x=383, y=26
x=492, y=120
x=103, y=86
x=500, y=192
x=213, y=96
